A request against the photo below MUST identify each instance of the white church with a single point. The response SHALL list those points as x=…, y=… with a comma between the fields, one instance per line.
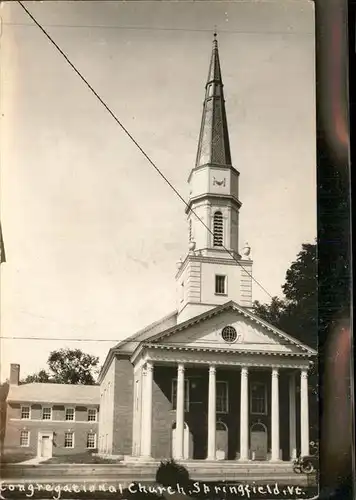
x=211, y=381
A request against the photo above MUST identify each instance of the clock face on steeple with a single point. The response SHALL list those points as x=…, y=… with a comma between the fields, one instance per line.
x=220, y=182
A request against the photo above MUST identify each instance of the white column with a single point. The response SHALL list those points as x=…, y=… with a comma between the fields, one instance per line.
x=147, y=413
x=244, y=414
x=212, y=414
x=180, y=413
x=275, y=414
x=292, y=418
x=304, y=414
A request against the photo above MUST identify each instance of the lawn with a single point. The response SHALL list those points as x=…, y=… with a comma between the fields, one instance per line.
x=15, y=458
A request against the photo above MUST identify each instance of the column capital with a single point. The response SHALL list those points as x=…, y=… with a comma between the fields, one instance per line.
x=149, y=366
x=275, y=372
x=181, y=367
x=304, y=373
x=212, y=368
x=244, y=371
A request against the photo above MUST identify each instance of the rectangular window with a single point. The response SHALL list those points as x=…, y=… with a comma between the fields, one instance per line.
x=186, y=394
x=222, y=396
x=25, y=438
x=70, y=414
x=220, y=284
x=69, y=440
x=25, y=412
x=258, y=398
x=92, y=415
x=46, y=413
x=91, y=440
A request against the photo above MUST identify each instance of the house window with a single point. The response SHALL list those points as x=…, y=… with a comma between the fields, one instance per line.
x=218, y=233
x=70, y=414
x=222, y=396
x=220, y=284
x=186, y=394
x=69, y=440
x=91, y=440
x=46, y=413
x=25, y=439
x=92, y=415
x=258, y=398
x=25, y=412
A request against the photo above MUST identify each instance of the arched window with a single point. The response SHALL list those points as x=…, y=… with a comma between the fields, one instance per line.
x=218, y=230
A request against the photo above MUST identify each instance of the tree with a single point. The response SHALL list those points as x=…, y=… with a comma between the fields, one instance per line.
x=297, y=313
x=41, y=376
x=68, y=366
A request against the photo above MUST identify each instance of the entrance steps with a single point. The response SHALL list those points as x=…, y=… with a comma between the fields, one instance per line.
x=125, y=473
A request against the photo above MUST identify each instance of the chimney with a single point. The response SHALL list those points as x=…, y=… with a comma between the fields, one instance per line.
x=14, y=374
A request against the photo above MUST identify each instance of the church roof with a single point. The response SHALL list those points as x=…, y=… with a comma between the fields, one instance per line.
x=231, y=305
x=129, y=344
x=214, y=145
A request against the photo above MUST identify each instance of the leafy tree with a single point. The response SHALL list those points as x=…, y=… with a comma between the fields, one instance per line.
x=68, y=366
x=41, y=376
x=297, y=313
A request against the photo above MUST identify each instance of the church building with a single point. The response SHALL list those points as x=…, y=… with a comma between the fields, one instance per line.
x=210, y=381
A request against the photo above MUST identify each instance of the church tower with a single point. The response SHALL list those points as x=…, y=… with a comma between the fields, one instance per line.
x=213, y=272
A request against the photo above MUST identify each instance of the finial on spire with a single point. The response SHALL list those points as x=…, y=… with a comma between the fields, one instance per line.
x=215, y=41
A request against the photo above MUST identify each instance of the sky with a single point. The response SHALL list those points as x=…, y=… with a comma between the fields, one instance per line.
x=92, y=233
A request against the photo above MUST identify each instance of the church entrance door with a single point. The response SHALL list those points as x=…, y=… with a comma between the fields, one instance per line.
x=259, y=441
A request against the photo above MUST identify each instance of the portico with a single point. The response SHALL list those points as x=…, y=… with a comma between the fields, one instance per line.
x=241, y=418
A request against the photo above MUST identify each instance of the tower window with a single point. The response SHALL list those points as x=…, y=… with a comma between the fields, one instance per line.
x=218, y=232
x=220, y=284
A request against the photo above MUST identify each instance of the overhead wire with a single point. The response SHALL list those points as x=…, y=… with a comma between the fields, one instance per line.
x=147, y=157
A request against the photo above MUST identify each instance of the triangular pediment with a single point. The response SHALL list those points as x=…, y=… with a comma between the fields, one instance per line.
x=252, y=333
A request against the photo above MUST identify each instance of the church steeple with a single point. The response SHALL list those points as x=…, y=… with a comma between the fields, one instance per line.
x=210, y=274
x=214, y=145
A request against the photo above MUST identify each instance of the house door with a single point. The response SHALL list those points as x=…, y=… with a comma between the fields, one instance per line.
x=258, y=442
x=46, y=446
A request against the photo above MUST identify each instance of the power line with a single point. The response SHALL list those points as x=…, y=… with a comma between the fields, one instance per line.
x=150, y=28
x=137, y=342
x=112, y=114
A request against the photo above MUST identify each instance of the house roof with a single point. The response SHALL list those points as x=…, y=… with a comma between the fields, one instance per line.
x=54, y=393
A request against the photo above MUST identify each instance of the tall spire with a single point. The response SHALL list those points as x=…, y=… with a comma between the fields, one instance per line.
x=214, y=145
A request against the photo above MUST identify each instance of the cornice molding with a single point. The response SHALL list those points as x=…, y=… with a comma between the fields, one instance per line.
x=213, y=165
x=213, y=196
x=221, y=350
